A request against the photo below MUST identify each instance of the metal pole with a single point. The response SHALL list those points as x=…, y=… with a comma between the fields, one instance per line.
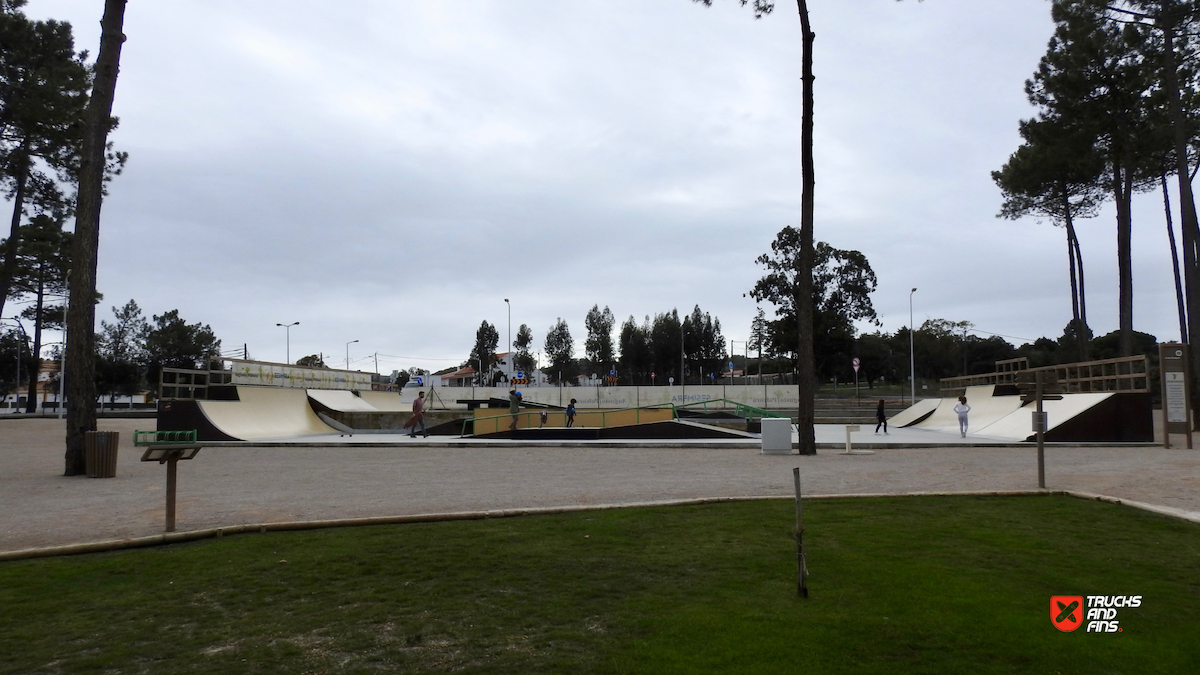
x=1041, y=435
x=682, y=356
x=62, y=371
x=287, y=328
x=62, y=363
x=912, y=359
x=508, y=348
x=348, y=353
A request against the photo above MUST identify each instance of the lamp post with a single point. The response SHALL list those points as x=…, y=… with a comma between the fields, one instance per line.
x=912, y=360
x=287, y=328
x=348, y=353
x=508, y=347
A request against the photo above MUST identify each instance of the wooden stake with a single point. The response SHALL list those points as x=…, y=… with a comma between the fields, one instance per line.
x=172, y=463
x=801, y=564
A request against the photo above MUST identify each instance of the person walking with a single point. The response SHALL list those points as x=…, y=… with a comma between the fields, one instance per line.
x=418, y=418
x=514, y=407
x=962, y=409
x=880, y=417
x=571, y=413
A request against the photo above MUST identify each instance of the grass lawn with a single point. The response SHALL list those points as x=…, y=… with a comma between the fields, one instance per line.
x=901, y=585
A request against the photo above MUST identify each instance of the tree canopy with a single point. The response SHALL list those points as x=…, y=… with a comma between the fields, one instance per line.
x=523, y=359
x=560, y=351
x=43, y=94
x=483, y=353
x=842, y=282
x=172, y=342
x=599, y=344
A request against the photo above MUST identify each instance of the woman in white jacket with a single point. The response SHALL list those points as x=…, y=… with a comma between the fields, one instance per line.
x=962, y=409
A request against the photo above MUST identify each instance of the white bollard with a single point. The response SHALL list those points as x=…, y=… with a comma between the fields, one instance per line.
x=849, y=448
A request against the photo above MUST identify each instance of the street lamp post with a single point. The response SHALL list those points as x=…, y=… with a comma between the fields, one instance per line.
x=348, y=353
x=508, y=347
x=912, y=360
x=287, y=328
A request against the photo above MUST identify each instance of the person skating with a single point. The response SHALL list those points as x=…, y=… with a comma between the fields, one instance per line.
x=880, y=417
x=571, y=413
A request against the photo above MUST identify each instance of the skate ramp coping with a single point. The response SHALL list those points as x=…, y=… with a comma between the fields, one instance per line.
x=263, y=412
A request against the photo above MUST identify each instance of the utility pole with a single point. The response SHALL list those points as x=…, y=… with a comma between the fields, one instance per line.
x=912, y=359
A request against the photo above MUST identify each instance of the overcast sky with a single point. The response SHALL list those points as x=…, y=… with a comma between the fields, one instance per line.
x=390, y=172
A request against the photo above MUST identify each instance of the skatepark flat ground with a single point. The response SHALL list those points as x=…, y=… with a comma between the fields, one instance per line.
x=228, y=486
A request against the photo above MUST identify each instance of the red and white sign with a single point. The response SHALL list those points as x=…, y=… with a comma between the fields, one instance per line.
x=856, y=363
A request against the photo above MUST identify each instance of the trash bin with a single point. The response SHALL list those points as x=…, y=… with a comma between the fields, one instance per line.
x=100, y=453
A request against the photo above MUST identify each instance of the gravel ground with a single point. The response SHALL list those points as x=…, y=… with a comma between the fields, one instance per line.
x=248, y=485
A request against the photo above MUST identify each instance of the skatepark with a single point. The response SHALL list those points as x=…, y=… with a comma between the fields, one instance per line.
x=249, y=485
x=291, y=456
x=305, y=416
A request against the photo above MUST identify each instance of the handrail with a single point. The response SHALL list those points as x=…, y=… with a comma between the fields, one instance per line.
x=603, y=415
x=738, y=408
x=144, y=438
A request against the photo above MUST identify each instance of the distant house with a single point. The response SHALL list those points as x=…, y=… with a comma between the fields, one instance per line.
x=502, y=372
x=463, y=377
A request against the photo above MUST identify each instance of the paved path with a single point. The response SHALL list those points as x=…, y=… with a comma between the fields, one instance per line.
x=246, y=485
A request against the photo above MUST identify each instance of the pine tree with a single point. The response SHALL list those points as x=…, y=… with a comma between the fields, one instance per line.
x=43, y=94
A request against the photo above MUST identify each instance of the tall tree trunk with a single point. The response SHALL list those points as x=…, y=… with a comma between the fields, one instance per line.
x=806, y=366
x=1187, y=203
x=31, y=399
x=1078, y=298
x=1179, y=300
x=1082, y=293
x=1074, y=280
x=9, y=268
x=1122, y=179
x=1075, y=263
x=81, y=314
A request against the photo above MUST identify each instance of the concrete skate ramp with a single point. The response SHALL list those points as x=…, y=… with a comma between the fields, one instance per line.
x=263, y=412
x=1018, y=425
x=386, y=401
x=914, y=413
x=986, y=410
x=340, y=400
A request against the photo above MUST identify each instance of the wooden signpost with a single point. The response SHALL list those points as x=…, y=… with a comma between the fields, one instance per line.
x=1035, y=387
x=167, y=447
